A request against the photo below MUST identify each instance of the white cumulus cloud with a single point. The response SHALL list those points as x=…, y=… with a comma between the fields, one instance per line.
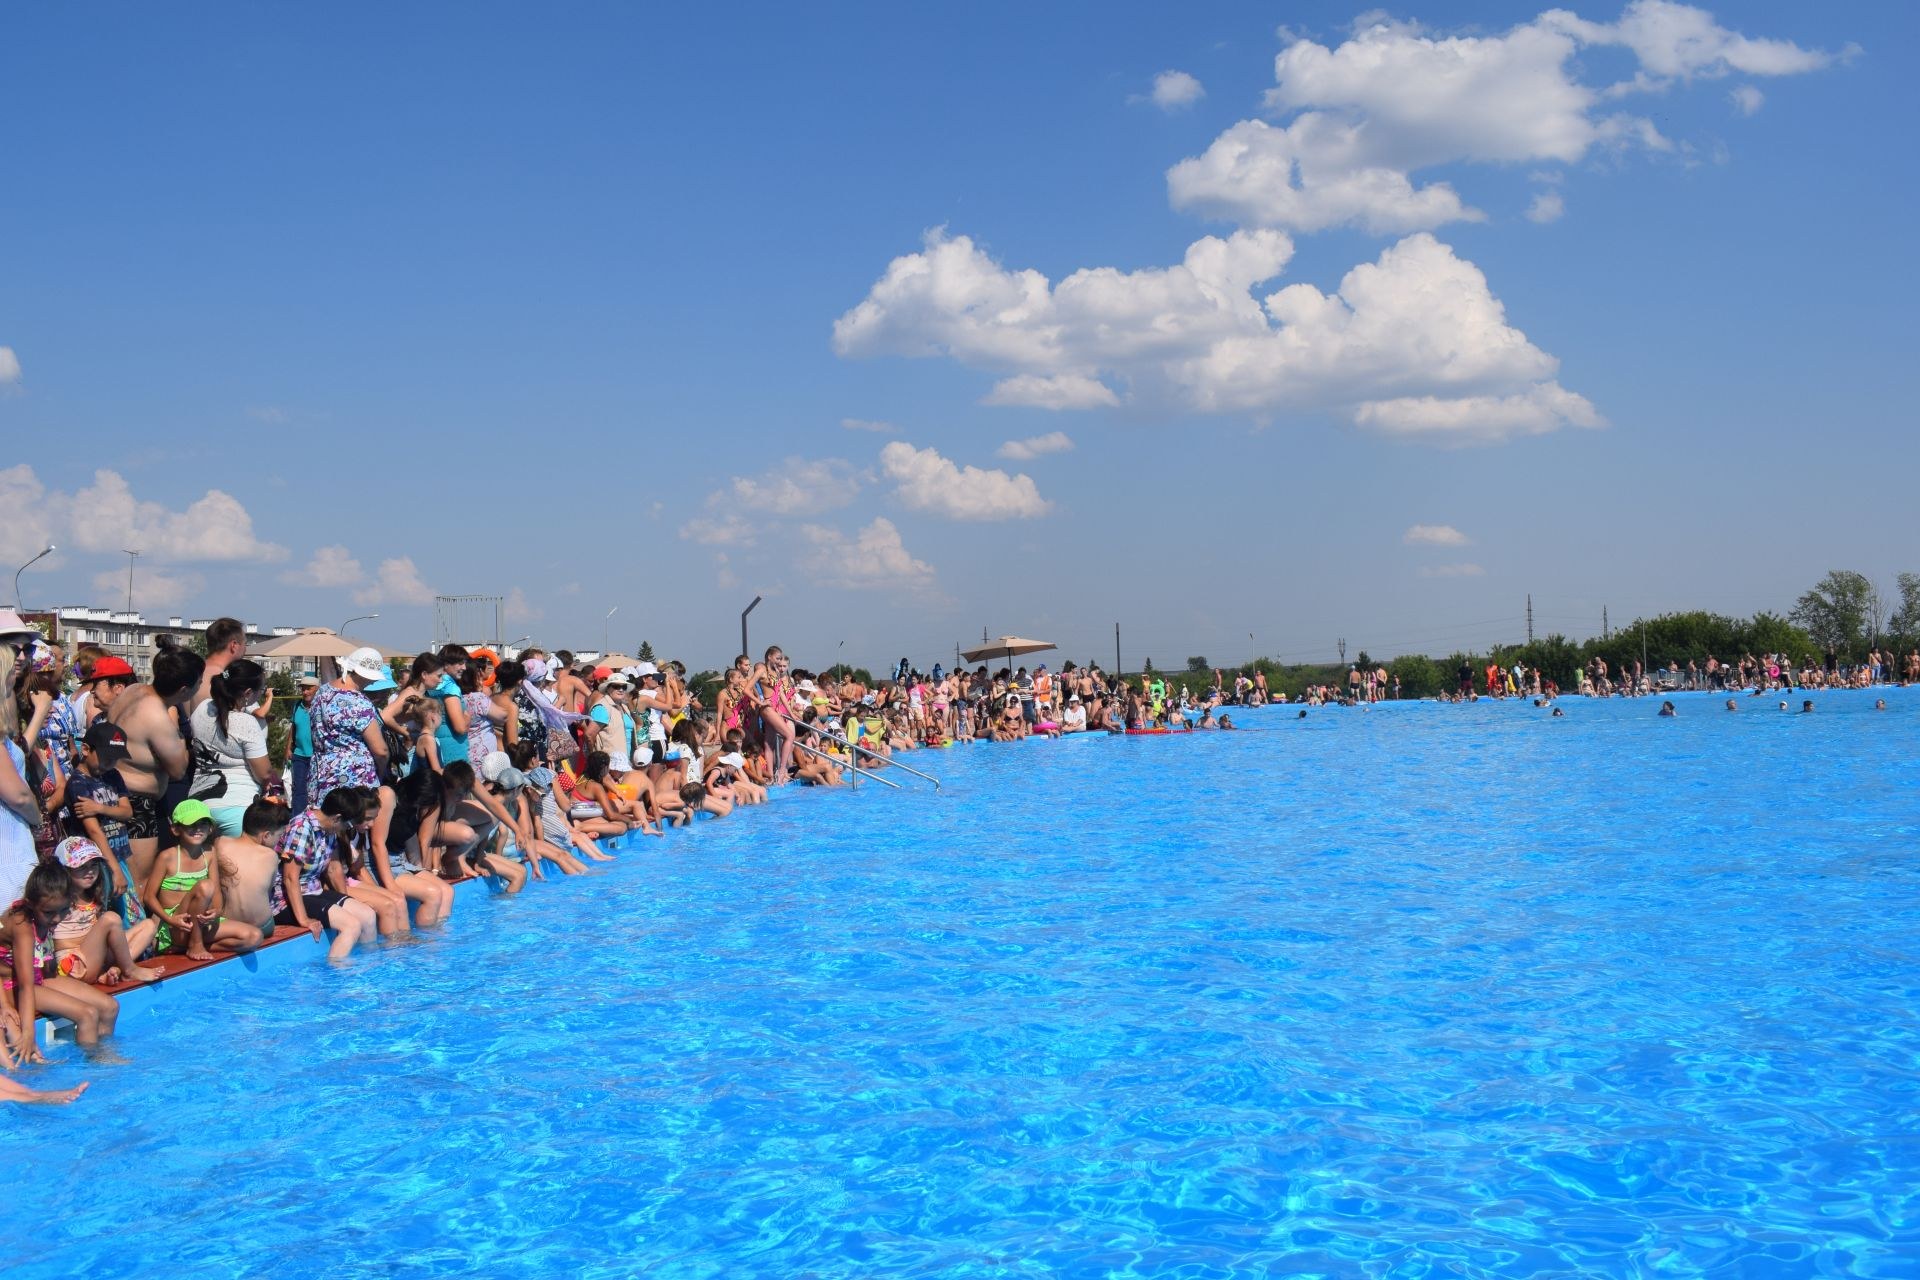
x=1054, y=391
x=925, y=481
x=797, y=487
x=873, y=559
x=1358, y=119
x=106, y=517
x=1173, y=90
x=1036, y=446
x=397, y=582
x=153, y=587
x=1746, y=99
x=1679, y=41
x=9, y=365
x=517, y=608
x=721, y=531
x=1434, y=535
x=1547, y=206
x=332, y=566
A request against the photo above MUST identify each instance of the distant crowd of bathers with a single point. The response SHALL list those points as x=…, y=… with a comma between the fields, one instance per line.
x=1765, y=673
x=151, y=820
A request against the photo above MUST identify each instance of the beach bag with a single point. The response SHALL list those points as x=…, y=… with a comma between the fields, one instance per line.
x=560, y=745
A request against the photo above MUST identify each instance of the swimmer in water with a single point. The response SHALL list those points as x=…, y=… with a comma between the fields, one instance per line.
x=1558, y=712
x=1666, y=709
x=1806, y=708
x=1226, y=722
x=1732, y=705
x=1879, y=704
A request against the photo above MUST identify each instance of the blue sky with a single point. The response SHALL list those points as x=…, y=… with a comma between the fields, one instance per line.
x=462, y=299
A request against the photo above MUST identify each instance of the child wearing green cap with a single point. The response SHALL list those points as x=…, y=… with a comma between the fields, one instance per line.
x=186, y=896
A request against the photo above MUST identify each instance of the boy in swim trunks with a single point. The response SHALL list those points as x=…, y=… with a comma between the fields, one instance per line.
x=184, y=894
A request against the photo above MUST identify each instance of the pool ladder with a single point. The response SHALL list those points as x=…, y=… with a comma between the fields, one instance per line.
x=869, y=752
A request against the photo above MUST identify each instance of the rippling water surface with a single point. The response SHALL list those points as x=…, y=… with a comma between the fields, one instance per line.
x=1416, y=992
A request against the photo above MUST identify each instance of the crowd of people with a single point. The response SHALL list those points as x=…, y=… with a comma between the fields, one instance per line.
x=148, y=820
x=1767, y=673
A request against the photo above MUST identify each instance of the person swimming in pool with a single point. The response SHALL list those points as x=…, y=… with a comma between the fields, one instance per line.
x=1666, y=709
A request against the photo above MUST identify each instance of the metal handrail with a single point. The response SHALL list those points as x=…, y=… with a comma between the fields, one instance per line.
x=870, y=752
x=849, y=765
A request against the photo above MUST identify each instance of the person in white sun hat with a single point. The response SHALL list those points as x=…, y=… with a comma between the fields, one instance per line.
x=348, y=749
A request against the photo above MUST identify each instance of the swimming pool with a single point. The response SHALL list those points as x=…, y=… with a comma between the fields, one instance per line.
x=1417, y=991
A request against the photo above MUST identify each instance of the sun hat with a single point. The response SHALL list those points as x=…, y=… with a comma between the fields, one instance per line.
x=382, y=685
x=618, y=682
x=364, y=662
x=76, y=851
x=188, y=812
x=308, y=682
x=735, y=759
x=12, y=624
x=496, y=763
x=110, y=666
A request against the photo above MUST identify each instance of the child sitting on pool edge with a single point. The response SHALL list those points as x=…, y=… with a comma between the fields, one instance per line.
x=188, y=899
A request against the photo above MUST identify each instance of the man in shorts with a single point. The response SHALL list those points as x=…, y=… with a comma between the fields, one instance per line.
x=156, y=755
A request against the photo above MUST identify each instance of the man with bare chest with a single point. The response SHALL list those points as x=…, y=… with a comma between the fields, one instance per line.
x=155, y=753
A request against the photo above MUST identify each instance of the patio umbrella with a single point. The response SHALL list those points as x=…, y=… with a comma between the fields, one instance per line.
x=1006, y=647
x=310, y=642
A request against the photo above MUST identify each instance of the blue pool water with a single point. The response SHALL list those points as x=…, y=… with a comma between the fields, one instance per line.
x=1413, y=992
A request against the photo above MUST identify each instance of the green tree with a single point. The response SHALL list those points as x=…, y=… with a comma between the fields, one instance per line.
x=646, y=652
x=1199, y=666
x=706, y=686
x=1836, y=611
x=1904, y=625
x=1419, y=675
x=280, y=717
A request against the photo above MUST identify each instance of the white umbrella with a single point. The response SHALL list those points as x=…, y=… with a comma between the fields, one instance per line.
x=1007, y=647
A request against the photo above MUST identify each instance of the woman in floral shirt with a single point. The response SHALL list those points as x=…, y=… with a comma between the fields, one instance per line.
x=348, y=749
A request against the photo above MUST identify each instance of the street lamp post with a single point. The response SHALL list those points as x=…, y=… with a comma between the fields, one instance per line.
x=606, y=631
x=361, y=617
x=743, y=626
x=131, y=557
x=22, y=569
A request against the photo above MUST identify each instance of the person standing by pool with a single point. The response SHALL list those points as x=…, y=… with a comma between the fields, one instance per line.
x=230, y=764
x=349, y=749
x=155, y=753
x=300, y=742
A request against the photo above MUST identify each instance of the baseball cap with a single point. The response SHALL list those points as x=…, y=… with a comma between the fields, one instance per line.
x=643, y=669
x=107, y=739
x=365, y=662
x=189, y=812
x=308, y=682
x=76, y=851
x=110, y=666
x=601, y=673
